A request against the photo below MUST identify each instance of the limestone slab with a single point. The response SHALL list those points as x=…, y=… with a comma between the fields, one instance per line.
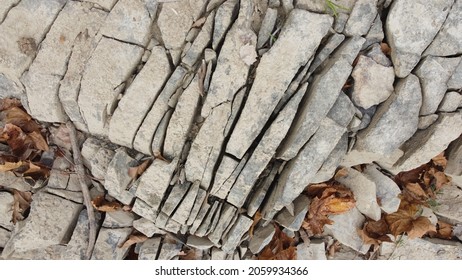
x=233, y=238
x=361, y=18
x=109, y=242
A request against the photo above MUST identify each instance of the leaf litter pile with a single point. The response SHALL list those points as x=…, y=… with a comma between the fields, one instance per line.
x=24, y=151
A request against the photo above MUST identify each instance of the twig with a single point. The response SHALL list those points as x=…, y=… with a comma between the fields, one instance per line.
x=80, y=170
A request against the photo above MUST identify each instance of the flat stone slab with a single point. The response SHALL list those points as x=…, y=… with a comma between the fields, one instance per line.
x=361, y=18
x=231, y=241
x=423, y=249
x=264, y=95
x=450, y=200
x=109, y=242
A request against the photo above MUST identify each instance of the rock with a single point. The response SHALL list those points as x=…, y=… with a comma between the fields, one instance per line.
x=200, y=43
x=265, y=150
x=450, y=200
x=9, y=179
x=100, y=161
x=261, y=190
x=130, y=21
x=345, y=229
x=397, y=116
x=373, y=83
x=147, y=227
x=227, y=166
x=197, y=206
x=169, y=251
x=139, y=97
x=155, y=181
x=448, y=41
x=117, y=179
x=149, y=249
x=365, y=193
x=207, y=223
x=423, y=249
x=387, y=190
x=197, y=221
x=375, y=52
x=457, y=231
x=146, y=132
x=233, y=238
x=6, y=210
x=426, y=121
x=322, y=94
x=293, y=221
x=314, y=251
x=4, y=237
x=320, y=6
x=224, y=221
x=332, y=43
x=426, y=144
x=361, y=18
x=262, y=237
x=264, y=96
x=340, y=22
x=6, y=6
x=293, y=180
x=109, y=242
x=42, y=81
x=22, y=30
x=375, y=34
x=409, y=33
x=59, y=175
x=174, y=198
x=104, y=4
x=434, y=73
x=118, y=219
x=223, y=20
x=69, y=195
x=218, y=254
x=201, y=243
x=348, y=51
x=11, y=87
x=428, y=213
x=342, y=111
x=454, y=157
x=144, y=210
x=183, y=211
x=450, y=102
x=267, y=27
x=329, y=166
x=43, y=228
x=455, y=82
x=103, y=80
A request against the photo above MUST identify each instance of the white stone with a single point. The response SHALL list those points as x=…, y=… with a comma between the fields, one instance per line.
x=262, y=237
x=233, y=238
x=149, y=249
x=424, y=249
x=147, y=227
x=450, y=202
x=314, y=251
x=361, y=18
x=387, y=190
x=118, y=219
x=201, y=243
x=450, y=102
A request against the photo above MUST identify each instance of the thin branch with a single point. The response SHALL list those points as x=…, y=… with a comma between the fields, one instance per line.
x=80, y=170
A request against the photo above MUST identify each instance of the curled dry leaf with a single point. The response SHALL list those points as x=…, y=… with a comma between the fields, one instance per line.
x=256, y=219
x=21, y=203
x=281, y=247
x=375, y=232
x=101, y=204
x=440, y=160
x=134, y=238
x=443, y=230
x=7, y=103
x=136, y=171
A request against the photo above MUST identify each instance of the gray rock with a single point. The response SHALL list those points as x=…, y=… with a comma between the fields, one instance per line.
x=118, y=219
x=387, y=190
x=42, y=81
x=130, y=21
x=159, y=136
x=320, y=6
x=227, y=166
x=218, y=254
x=264, y=96
x=457, y=231
x=332, y=43
x=450, y=102
x=100, y=161
x=448, y=41
x=261, y=189
x=426, y=144
x=224, y=221
x=147, y=227
x=434, y=73
x=69, y=195
x=174, y=198
x=267, y=27
x=5, y=7
x=365, y=193
x=184, y=210
x=262, y=237
x=328, y=168
x=155, y=181
x=398, y=116
x=6, y=210
x=265, y=150
x=206, y=224
x=233, y=238
x=314, y=251
x=169, y=251
x=103, y=80
x=340, y=22
x=104, y=4
x=59, y=175
x=423, y=249
x=293, y=221
x=43, y=228
x=146, y=132
x=373, y=83
x=109, y=242
x=201, y=41
x=455, y=82
x=375, y=52
x=197, y=221
x=149, y=249
x=299, y=172
x=22, y=30
x=342, y=111
x=223, y=20
x=375, y=34
x=139, y=97
x=361, y=18
x=11, y=87
x=450, y=200
x=454, y=157
x=144, y=210
x=201, y=243
x=198, y=202
x=409, y=33
x=347, y=51
x=4, y=237
x=345, y=230
x=9, y=179
x=322, y=94
x=426, y=121
x=117, y=180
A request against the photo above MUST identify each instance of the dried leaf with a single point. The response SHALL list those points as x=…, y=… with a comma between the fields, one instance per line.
x=7, y=103
x=190, y=254
x=38, y=140
x=408, y=220
x=248, y=54
x=256, y=219
x=443, y=230
x=20, y=118
x=21, y=203
x=281, y=247
x=341, y=173
x=385, y=48
x=440, y=160
x=9, y=166
x=16, y=139
x=375, y=232
x=420, y=227
x=134, y=238
x=101, y=204
x=136, y=171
